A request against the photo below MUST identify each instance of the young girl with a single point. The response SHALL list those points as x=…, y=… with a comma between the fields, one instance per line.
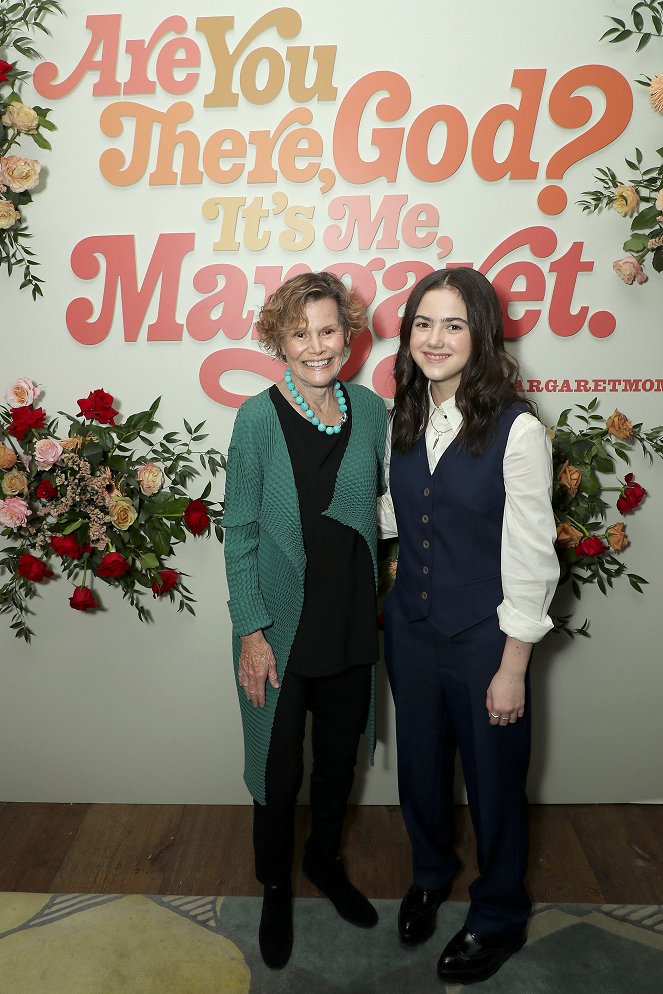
x=470, y=478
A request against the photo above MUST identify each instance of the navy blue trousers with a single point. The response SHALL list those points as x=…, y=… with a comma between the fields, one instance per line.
x=439, y=686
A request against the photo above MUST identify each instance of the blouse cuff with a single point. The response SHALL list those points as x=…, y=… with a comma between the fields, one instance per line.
x=519, y=626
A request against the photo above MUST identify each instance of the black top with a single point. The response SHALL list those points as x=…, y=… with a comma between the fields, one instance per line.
x=338, y=624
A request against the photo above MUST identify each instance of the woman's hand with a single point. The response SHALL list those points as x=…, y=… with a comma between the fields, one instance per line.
x=256, y=666
x=505, y=700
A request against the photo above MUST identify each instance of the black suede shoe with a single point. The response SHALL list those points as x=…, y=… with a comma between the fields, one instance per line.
x=417, y=915
x=330, y=878
x=275, y=932
x=467, y=959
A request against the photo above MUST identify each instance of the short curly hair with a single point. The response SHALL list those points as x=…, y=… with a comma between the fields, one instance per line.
x=285, y=309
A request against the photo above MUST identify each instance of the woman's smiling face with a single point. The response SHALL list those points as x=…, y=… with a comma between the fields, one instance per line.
x=440, y=341
x=314, y=351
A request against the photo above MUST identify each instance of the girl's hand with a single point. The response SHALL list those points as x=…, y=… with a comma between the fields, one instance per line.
x=505, y=699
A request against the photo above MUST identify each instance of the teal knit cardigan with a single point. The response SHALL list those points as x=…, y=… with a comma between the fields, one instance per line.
x=264, y=548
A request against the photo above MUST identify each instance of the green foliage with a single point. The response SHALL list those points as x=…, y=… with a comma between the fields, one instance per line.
x=647, y=21
x=18, y=21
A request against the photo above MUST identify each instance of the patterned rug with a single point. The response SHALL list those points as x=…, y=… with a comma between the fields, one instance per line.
x=86, y=944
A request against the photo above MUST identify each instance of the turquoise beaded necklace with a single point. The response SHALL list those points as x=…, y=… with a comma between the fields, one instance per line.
x=310, y=413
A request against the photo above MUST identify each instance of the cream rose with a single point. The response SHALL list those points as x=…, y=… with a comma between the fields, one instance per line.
x=20, y=117
x=14, y=483
x=18, y=173
x=21, y=393
x=122, y=513
x=629, y=270
x=570, y=476
x=14, y=512
x=47, y=452
x=8, y=214
x=659, y=201
x=626, y=200
x=619, y=425
x=150, y=478
x=656, y=92
x=7, y=457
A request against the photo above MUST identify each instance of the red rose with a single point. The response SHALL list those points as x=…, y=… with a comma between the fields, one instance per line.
x=82, y=599
x=33, y=569
x=196, y=517
x=97, y=406
x=112, y=565
x=169, y=578
x=591, y=546
x=46, y=490
x=24, y=419
x=632, y=495
x=66, y=545
x=4, y=69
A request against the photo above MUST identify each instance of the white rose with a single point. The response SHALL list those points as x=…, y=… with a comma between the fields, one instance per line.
x=20, y=117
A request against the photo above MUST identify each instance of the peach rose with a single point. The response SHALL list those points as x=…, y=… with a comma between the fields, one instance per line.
x=567, y=536
x=47, y=452
x=629, y=270
x=625, y=200
x=659, y=201
x=570, y=476
x=18, y=173
x=122, y=513
x=20, y=117
x=14, y=512
x=150, y=478
x=616, y=536
x=21, y=393
x=7, y=457
x=619, y=425
x=8, y=213
x=14, y=483
x=656, y=92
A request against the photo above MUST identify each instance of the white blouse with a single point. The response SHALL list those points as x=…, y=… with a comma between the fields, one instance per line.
x=529, y=565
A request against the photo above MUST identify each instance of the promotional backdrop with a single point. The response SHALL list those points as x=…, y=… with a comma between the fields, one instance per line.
x=203, y=156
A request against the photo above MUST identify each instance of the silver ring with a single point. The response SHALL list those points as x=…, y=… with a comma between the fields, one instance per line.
x=505, y=717
x=494, y=715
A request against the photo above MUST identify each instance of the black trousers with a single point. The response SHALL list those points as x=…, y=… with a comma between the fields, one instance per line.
x=439, y=686
x=339, y=710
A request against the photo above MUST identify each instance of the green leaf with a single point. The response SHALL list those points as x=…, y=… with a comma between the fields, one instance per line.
x=73, y=526
x=149, y=561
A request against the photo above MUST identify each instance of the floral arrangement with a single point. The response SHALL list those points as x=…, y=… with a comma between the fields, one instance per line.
x=90, y=500
x=638, y=197
x=19, y=174
x=582, y=456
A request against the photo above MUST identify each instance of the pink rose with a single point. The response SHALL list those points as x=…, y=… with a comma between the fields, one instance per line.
x=47, y=452
x=629, y=270
x=14, y=512
x=21, y=393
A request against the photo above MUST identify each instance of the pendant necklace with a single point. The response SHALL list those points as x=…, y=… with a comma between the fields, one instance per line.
x=439, y=431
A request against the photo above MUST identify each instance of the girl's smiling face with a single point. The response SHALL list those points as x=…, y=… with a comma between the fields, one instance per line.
x=440, y=341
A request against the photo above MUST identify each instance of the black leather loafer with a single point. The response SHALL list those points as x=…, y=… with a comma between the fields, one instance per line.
x=417, y=915
x=330, y=878
x=467, y=959
x=275, y=933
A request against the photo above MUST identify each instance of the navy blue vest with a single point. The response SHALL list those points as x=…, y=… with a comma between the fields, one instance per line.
x=450, y=531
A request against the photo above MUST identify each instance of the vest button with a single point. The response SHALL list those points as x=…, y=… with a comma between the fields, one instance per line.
x=426, y=491
x=424, y=595
x=424, y=570
x=426, y=544
x=425, y=519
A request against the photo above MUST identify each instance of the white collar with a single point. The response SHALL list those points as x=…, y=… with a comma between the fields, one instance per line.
x=446, y=410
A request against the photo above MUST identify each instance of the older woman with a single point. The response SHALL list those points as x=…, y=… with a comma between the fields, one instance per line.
x=304, y=472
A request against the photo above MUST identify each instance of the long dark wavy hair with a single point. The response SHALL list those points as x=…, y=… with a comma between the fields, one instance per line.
x=488, y=384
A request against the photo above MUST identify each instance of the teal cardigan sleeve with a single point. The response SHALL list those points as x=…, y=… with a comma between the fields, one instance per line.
x=244, y=484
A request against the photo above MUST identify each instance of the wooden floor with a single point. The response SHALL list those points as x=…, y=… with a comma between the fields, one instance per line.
x=579, y=853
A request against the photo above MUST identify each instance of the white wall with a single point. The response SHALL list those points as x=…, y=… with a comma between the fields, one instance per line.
x=102, y=708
